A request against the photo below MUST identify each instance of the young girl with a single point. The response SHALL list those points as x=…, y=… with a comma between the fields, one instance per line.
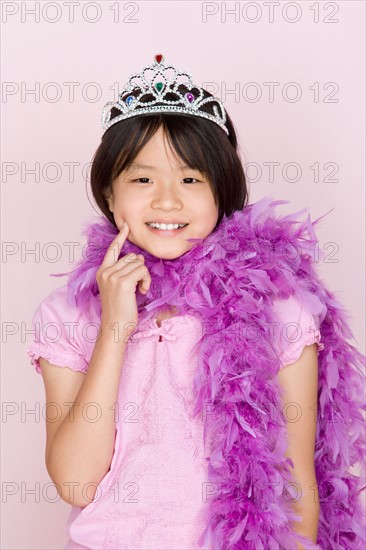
x=207, y=395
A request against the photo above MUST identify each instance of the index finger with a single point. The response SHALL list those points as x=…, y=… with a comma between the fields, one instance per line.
x=114, y=249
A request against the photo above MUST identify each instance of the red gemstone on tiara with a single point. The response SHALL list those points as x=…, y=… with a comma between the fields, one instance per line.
x=158, y=58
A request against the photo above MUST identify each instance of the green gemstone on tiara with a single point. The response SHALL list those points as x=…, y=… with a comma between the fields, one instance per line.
x=159, y=86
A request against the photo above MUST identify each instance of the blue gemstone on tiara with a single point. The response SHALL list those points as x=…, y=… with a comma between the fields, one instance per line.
x=130, y=100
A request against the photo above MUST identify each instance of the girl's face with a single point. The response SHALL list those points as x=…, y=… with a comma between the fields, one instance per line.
x=158, y=188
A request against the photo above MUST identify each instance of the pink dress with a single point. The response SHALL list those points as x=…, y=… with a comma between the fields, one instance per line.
x=154, y=494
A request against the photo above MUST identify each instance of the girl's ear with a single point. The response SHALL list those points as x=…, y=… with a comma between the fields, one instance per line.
x=108, y=195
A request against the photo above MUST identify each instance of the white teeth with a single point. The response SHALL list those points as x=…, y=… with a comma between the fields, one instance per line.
x=168, y=226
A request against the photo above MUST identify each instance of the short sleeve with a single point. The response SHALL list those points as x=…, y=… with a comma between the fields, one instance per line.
x=297, y=327
x=59, y=334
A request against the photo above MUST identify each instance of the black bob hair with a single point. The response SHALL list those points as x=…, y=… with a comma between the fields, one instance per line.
x=198, y=141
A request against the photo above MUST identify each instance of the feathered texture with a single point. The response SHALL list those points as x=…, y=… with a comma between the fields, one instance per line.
x=229, y=280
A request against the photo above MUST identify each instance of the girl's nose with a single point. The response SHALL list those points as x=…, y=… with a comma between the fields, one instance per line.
x=167, y=196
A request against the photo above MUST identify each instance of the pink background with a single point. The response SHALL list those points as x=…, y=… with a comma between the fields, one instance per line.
x=218, y=51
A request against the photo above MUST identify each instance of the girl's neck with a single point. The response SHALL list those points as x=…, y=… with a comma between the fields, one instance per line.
x=168, y=312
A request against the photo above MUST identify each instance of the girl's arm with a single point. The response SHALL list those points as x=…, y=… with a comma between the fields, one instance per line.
x=300, y=383
x=79, y=448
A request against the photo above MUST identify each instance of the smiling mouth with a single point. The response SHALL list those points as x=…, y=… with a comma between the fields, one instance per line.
x=166, y=232
x=167, y=223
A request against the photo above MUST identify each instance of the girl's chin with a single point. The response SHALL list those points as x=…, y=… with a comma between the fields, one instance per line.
x=167, y=252
x=164, y=247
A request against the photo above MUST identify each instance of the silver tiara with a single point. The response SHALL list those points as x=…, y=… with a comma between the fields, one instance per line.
x=158, y=80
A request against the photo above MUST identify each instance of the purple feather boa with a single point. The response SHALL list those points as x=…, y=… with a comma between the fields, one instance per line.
x=229, y=280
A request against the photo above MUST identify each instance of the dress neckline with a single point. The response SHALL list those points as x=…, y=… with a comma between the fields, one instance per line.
x=154, y=321
x=169, y=326
x=173, y=320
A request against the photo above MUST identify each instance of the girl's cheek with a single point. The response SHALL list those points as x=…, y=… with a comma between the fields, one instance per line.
x=120, y=218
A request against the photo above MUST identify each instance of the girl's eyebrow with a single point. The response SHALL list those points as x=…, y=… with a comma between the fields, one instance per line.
x=146, y=167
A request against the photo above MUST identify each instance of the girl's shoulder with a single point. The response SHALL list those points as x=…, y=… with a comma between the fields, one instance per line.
x=62, y=333
x=296, y=326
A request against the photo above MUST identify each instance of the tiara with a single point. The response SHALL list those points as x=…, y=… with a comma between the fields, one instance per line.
x=157, y=80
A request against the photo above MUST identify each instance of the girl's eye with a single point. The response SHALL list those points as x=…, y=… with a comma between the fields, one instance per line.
x=191, y=179
x=139, y=179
